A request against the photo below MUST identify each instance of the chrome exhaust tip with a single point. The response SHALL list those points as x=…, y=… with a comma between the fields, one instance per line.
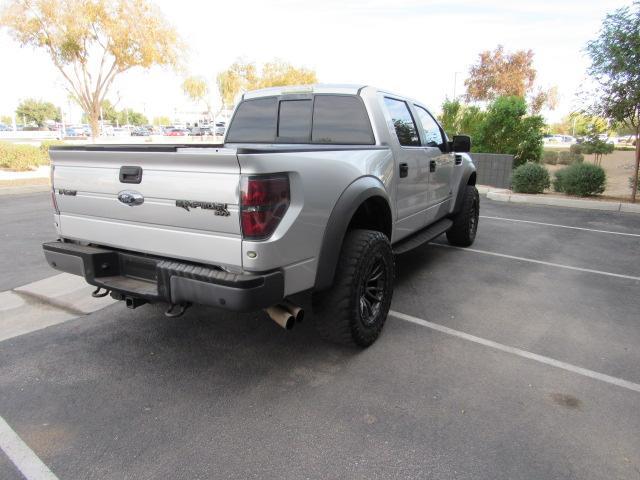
x=281, y=316
x=295, y=310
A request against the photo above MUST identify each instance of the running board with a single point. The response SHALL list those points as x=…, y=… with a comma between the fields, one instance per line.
x=422, y=236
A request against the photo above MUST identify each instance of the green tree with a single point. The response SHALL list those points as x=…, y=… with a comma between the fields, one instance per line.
x=594, y=145
x=507, y=128
x=91, y=42
x=37, y=111
x=459, y=118
x=161, y=121
x=109, y=112
x=6, y=119
x=579, y=124
x=129, y=116
x=615, y=66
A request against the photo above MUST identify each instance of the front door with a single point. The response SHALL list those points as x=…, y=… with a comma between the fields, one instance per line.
x=441, y=163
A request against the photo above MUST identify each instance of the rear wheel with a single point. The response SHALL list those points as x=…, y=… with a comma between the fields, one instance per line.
x=465, y=223
x=354, y=309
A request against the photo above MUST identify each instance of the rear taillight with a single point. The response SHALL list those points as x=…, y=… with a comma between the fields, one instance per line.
x=54, y=202
x=263, y=202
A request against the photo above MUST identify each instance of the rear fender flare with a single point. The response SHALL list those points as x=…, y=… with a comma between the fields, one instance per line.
x=343, y=211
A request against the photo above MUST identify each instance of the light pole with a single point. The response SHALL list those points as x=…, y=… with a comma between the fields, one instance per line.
x=455, y=84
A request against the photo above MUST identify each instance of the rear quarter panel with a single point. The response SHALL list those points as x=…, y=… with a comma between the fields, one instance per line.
x=318, y=177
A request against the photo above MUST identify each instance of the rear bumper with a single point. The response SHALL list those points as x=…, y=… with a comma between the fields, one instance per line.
x=156, y=279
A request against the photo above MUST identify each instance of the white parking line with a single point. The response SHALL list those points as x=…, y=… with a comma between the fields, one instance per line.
x=561, y=226
x=521, y=353
x=541, y=262
x=25, y=460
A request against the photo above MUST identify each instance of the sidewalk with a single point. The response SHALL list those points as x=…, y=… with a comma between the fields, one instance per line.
x=502, y=195
x=46, y=302
x=40, y=172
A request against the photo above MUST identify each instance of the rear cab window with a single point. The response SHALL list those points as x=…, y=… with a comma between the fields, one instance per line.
x=318, y=119
x=403, y=122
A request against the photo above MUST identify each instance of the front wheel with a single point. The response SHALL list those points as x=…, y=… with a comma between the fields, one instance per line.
x=354, y=309
x=465, y=223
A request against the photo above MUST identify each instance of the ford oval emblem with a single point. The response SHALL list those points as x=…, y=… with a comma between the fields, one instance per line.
x=131, y=198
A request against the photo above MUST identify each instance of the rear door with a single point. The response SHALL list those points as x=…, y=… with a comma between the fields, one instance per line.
x=168, y=201
x=412, y=168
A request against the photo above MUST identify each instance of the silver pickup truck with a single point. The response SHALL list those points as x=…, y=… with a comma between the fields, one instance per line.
x=314, y=190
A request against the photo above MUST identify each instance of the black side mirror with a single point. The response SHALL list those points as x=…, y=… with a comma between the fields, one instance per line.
x=461, y=143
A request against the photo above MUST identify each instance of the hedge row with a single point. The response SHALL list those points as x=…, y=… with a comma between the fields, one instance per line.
x=579, y=179
x=19, y=157
x=553, y=157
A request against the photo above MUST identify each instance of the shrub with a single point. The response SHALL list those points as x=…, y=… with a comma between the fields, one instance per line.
x=597, y=147
x=581, y=179
x=550, y=157
x=576, y=148
x=21, y=157
x=530, y=178
x=559, y=180
x=45, y=144
x=631, y=181
x=569, y=158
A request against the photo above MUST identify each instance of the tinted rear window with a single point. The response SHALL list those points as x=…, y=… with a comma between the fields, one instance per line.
x=406, y=129
x=294, y=122
x=327, y=119
x=340, y=119
x=254, y=121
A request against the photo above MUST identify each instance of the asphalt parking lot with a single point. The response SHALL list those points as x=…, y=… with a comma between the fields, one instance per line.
x=516, y=359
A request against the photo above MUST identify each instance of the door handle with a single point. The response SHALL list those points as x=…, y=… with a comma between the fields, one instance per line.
x=432, y=166
x=130, y=174
x=404, y=170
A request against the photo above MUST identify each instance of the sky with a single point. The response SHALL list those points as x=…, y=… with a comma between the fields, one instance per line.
x=422, y=49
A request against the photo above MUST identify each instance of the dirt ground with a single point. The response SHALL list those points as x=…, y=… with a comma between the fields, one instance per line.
x=618, y=166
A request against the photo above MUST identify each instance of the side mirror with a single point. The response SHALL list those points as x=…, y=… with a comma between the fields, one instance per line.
x=461, y=143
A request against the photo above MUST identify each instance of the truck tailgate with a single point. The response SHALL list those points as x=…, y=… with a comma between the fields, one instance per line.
x=189, y=206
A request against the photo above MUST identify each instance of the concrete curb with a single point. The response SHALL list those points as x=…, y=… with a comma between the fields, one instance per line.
x=40, y=172
x=501, y=195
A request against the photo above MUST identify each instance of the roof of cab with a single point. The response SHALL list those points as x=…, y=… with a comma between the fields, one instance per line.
x=343, y=88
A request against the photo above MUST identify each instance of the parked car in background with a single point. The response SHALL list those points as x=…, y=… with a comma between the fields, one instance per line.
x=220, y=128
x=560, y=139
x=177, y=132
x=627, y=140
x=75, y=131
x=5, y=128
x=201, y=131
x=107, y=131
x=140, y=132
x=121, y=132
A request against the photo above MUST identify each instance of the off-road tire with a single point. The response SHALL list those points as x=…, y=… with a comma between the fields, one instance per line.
x=341, y=312
x=465, y=222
